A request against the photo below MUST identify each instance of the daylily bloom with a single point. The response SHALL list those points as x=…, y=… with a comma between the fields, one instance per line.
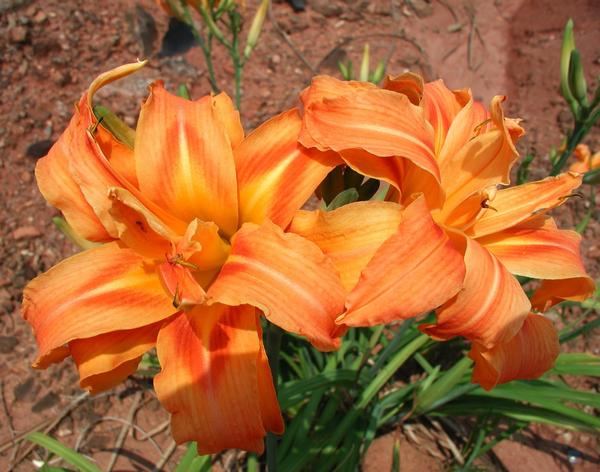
x=191, y=214
x=447, y=238
x=584, y=160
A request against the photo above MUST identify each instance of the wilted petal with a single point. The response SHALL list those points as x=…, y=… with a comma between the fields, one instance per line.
x=530, y=353
x=414, y=271
x=212, y=363
x=490, y=308
x=514, y=205
x=349, y=235
x=276, y=175
x=184, y=159
x=104, y=289
x=287, y=277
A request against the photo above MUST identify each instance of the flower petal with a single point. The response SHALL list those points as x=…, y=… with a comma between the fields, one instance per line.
x=441, y=105
x=514, y=205
x=349, y=235
x=414, y=271
x=230, y=118
x=538, y=250
x=470, y=163
x=104, y=289
x=551, y=292
x=58, y=187
x=491, y=307
x=285, y=276
x=276, y=175
x=184, y=159
x=381, y=122
x=530, y=353
x=106, y=360
x=212, y=365
x=408, y=84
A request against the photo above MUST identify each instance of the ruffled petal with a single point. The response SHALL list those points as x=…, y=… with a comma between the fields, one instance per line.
x=287, y=277
x=530, y=353
x=184, y=159
x=106, y=360
x=491, y=307
x=381, y=122
x=514, y=205
x=276, y=175
x=414, y=271
x=349, y=235
x=214, y=380
x=101, y=290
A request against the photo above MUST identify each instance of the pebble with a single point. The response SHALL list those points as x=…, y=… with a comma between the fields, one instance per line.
x=40, y=17
x=26, y=232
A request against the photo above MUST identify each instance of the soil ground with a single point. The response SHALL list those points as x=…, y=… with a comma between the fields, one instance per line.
x=50, y=50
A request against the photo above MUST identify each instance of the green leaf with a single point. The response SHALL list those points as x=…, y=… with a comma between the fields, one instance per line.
x=65, y=228
x=295, y=390
x=115, y=126
x=349, y=195
x=183, y=92
x=577, y=364
x=445, y=382
x=66, y=453
x=592, y=177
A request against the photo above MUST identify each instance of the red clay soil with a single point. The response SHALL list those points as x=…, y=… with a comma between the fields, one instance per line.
x=52, y=49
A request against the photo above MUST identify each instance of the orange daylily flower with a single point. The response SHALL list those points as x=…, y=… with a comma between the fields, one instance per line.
x=192, y=218
x=584, y=160
x=447, y=238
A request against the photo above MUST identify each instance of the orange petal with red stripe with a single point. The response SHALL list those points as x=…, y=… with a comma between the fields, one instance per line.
x=106, y=360
x=214, y=380
x=514, y=205
x=530, y=353
x=381, y=122
x=490, y=308
x=276, y=175
x=184, y=159
x=287, y=277
x=414, y=271
x=349, y=235
x=104, y=289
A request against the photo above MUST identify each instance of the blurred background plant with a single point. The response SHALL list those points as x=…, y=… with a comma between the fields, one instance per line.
x=221, y=21
x=394, y=378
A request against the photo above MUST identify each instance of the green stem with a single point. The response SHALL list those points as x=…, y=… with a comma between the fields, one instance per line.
x=575, y=138
x=206, y=47
x=274, y=335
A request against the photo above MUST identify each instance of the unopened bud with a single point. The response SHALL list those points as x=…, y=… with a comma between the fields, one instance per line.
x=256, y=27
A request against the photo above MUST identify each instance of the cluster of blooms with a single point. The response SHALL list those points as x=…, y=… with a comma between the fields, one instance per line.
x=201, y=233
